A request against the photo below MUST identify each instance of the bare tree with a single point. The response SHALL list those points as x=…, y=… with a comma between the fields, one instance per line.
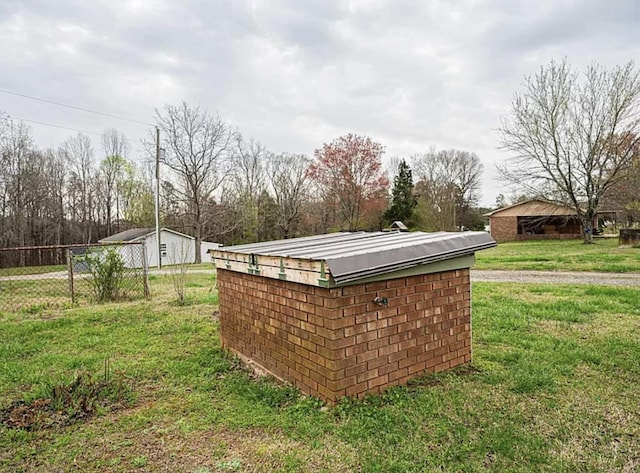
x=198, y=147
x=290, y=185
x=248, y=177
x=16, y=148
x=448, y=185
x=112, y=170
x=55, y=179
x=78, y=152
x=571, y=137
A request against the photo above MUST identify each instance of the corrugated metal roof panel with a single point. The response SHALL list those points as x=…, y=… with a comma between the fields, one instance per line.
x=129, y=235
x=353, y=256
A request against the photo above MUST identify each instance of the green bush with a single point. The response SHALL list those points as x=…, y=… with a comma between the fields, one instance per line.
x=107, y=273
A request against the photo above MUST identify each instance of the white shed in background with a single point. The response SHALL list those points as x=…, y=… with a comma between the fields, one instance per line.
x=175, y=247
x=205, y=246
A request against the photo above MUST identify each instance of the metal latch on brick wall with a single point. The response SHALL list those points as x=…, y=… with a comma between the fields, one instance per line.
x=381, y=301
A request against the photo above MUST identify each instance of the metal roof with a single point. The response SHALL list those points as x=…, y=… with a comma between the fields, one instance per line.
x=134, y=234
x=129, y=235
x=534, y=208
x=353, y=256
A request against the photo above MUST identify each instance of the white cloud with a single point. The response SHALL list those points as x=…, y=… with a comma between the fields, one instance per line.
x=296, y=74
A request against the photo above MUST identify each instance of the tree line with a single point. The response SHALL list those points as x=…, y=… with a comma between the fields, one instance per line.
x=217, y=185
x=572, y=138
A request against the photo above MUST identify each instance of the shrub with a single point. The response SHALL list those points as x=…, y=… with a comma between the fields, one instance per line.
x=107, y=273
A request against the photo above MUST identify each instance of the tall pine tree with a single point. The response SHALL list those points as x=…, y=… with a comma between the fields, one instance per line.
x=403, y=202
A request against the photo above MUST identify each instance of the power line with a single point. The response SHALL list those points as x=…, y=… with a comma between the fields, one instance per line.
x=73, y=107
x=55, y=126
x=64, y=127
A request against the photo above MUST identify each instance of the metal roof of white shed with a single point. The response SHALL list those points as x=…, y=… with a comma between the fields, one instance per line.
x=353, y=256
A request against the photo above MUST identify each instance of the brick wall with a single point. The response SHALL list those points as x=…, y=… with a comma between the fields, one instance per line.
x=504, y=228
x=336, y=342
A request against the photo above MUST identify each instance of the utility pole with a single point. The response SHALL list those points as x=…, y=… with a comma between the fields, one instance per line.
x=158, y=197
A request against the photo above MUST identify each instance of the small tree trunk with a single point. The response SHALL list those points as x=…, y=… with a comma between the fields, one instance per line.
x=198, y=243
x=587, y=230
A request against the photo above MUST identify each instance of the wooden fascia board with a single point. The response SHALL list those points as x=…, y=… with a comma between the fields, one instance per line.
x=316, y=273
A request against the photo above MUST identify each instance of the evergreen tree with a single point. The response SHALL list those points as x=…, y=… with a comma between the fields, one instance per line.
x=403, y=202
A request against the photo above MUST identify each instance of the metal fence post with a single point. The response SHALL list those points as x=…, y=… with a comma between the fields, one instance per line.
x=70, y=274
x=145, y=269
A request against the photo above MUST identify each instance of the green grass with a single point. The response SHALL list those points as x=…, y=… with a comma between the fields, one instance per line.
x=553, y=387
x=556, y=255
x=40, y=293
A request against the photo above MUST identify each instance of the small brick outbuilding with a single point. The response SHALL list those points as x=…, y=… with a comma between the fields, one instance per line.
x=534, y=219
x=348, y=314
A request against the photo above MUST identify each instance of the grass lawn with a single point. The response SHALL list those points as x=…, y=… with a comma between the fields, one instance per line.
x=557, y=255
x=553, y=387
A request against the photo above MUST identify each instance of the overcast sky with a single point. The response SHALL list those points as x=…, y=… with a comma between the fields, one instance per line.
x=294, y=74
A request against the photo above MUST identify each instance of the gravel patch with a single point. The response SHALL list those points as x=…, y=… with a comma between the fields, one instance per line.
x=557, y=277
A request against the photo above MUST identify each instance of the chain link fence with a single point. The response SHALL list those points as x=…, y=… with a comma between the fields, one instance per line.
x=32, y=278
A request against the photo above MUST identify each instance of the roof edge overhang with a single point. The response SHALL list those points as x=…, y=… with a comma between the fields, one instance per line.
x=344, y=259
x=349, y=277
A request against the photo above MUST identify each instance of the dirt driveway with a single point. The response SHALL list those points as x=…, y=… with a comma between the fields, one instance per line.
x=557, y=277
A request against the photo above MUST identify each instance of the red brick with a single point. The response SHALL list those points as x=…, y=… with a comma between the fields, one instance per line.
x=388, y=368
x=364, y=318
x=442, y=366
x=343, y=342
x=399, y=282
x=300, y=332
x=356, y=389
x=403, y=291
x=376, y=286
x=315, y=300
x=414, y=298
x=310, y=383
x=387, y=331
x=353, y=290
x=376, y=363
x=355, y=369
x=406, y=362
x=415, y=280
x=449, y=356
x=400, y=373
x=378, y=381
x=329, y=354
x=341, y=384
x=354, y=330
x=367, y=375
x=366, y=356
x=355, y=350
x=342, y=322
x=418, y=367
x=378, y=343
x=456, y=361
x=377, y=324
x=326, y=312
x=366, y=337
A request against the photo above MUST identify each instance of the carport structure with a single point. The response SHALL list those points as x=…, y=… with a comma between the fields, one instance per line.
x=534, y=219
